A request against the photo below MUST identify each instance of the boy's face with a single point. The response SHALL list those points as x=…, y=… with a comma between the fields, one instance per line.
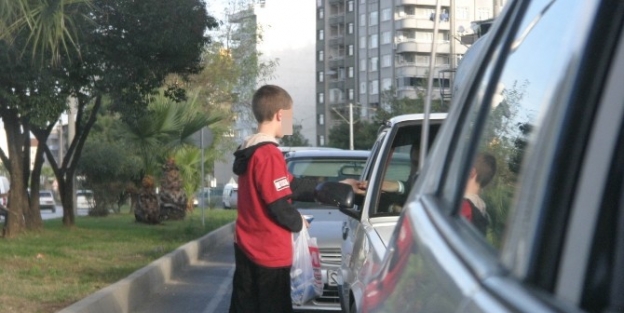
x=287, y=122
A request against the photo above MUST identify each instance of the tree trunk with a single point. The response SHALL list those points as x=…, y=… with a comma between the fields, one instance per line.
x=172, y=196
x=66, y=191
x=32, y=213
x=18, y=197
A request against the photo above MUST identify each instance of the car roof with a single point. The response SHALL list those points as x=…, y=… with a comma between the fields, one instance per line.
x=330, y=153
x=286, y=149
x=416, y=117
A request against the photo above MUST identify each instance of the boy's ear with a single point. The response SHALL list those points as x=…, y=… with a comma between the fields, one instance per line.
x=286, y=116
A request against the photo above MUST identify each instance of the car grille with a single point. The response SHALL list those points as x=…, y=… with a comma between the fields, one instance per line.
x=330, y=256
x=330, y=295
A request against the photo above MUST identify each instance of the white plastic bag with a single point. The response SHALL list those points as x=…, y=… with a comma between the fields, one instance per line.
x=306, y=282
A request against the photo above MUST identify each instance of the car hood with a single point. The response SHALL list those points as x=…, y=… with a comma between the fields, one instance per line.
x=326, y=226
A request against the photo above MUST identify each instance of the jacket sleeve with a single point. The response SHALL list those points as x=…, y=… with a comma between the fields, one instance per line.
x=303, y=189
x=286, y=215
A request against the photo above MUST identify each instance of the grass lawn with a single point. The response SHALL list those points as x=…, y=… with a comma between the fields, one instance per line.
x=46, y=271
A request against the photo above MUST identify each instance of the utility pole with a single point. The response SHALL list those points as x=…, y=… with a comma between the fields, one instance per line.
x=350, y=126
x=424, y=135
x=350, y=121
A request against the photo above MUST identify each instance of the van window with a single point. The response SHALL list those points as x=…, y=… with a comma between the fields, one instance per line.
x=525, y=91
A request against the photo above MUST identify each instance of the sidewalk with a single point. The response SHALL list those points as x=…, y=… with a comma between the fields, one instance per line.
x=194, y=278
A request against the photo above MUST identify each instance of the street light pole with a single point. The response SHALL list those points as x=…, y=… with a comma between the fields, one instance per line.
x=350, y=126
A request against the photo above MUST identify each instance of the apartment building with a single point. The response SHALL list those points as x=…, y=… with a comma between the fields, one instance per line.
x=368, y=47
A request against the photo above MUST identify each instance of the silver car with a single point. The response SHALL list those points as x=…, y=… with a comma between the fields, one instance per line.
x=326, y=165
x=370, y=221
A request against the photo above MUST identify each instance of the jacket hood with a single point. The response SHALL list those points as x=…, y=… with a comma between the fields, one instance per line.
x=476, y=201
x=247, y=149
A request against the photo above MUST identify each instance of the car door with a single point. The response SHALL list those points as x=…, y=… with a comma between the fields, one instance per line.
x=531, y=101
x=395, y=161
x=353, y=233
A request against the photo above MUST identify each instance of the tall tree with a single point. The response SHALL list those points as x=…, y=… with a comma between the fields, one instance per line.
x=126, y=50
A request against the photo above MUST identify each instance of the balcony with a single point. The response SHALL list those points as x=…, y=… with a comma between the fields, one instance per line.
x=411, y=22
x=411, y=46
x=433, y=3
x=336, y=19
x=412, y=70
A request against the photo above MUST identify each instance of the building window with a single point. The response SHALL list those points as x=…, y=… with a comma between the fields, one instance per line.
x=321, y=34
x=424, y=36
x=386, y=60
x=319, y=3
x=386, y=84
x=362, y=87
x=362, y=19
x=483, y=14
x=362, y=42
x=350, y=6
x=350, y=49
x=321, y=13
x=321, y=119
x=374, y=87
x=350, y=28
x=351, y=94
x=373, y=18
x=461, y=13
x=374, y=63
x=321, y=140
x=386, y=37
x=321, y=76
x=386, y=14
x=321, y=97
x=350, y=72
x=362, y=64
x=422, y=60
x=362, y=1
x=321, y=55
x=374, y=41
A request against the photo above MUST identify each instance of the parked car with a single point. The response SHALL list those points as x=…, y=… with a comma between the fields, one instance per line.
x=84, y=199
x=46, y=201
x=326, y=165
x=230, y=191
x=545, y=97
x=369, y=223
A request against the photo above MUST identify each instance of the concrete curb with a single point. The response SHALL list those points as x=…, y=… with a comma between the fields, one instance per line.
x=127, y=294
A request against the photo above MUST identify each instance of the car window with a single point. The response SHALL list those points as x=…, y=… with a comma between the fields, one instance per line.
x=401, y=168
x=514, y=110
x=324, y=169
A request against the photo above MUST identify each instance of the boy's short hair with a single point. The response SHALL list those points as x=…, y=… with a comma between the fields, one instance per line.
x=485, y=166
x=268, y=100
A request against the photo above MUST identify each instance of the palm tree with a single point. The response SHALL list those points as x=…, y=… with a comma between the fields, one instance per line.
x=166, y=128
x=50, y=25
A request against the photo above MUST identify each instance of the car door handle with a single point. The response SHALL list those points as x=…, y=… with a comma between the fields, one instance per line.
x=345, y=231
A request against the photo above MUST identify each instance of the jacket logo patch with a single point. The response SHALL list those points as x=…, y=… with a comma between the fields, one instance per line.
x=281, y=183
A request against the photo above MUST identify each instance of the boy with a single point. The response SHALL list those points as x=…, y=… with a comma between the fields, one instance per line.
x=473, y=207
x=266, y=217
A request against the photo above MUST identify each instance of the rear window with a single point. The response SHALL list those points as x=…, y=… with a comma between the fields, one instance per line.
x=45, y=194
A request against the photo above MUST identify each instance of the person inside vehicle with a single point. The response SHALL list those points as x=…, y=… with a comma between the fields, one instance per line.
x=473, y=208
x=396, y=190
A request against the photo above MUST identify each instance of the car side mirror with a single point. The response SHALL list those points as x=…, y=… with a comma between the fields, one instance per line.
x=334, y=194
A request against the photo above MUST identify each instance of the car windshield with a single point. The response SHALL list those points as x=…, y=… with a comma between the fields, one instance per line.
x=325, y=169
x=45, y=194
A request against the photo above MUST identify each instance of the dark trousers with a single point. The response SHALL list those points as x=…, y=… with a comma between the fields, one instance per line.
x=258, y=289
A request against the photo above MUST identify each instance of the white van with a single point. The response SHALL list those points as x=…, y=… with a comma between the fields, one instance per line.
x=230, y=190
